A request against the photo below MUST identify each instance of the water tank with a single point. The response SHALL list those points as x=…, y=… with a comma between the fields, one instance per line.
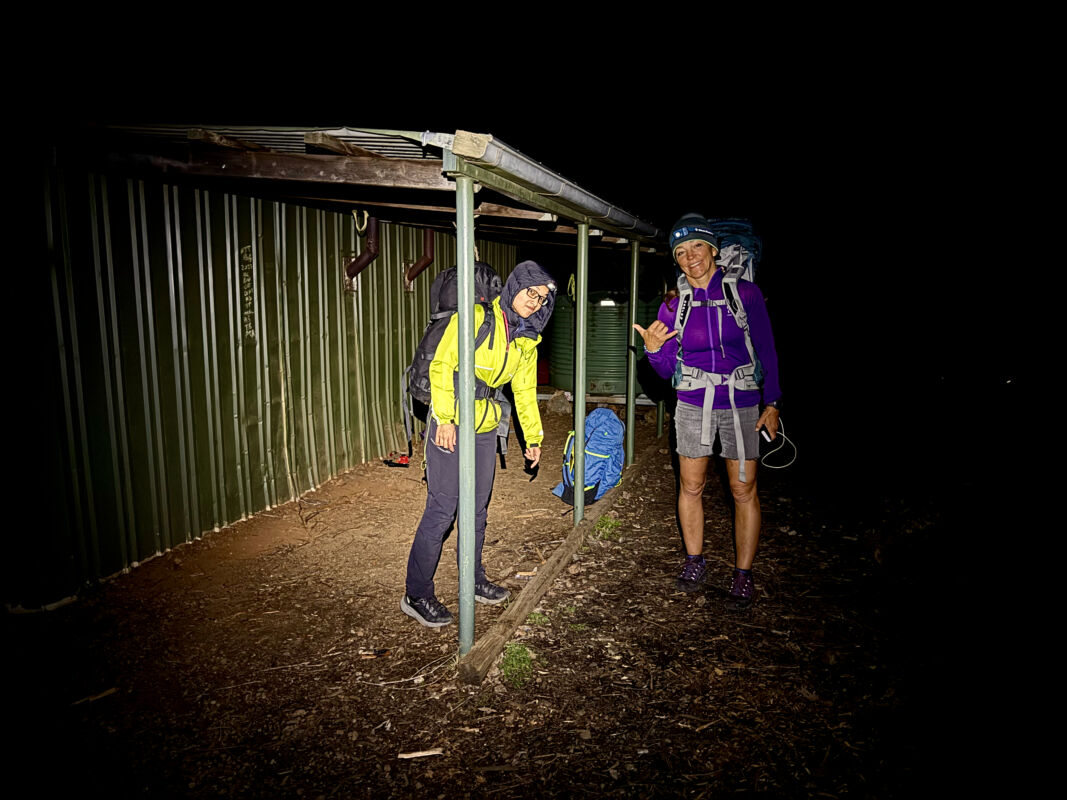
x=607, y=336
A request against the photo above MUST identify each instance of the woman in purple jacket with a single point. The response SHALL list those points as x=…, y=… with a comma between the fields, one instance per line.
x=714, y=400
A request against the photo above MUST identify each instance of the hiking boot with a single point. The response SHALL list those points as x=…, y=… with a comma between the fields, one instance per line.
x=693, y=573
x=426, y=611
x=490, y=593
x=742, y=591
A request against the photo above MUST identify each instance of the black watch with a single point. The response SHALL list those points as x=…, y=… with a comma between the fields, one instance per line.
x=775, y=404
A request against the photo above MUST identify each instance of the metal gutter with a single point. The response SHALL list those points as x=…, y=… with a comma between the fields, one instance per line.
x=482, y=150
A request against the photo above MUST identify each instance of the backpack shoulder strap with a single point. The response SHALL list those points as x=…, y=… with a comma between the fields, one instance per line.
x=731, y=274
x=487, y=330
x=685, y=305
x=729, y=289
x=730, y=277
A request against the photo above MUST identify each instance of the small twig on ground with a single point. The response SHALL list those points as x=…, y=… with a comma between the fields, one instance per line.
x=419, y=678
x=94, y=697
x=235, y=685
x=458, y=706
x=750, y=625
x=292, y=666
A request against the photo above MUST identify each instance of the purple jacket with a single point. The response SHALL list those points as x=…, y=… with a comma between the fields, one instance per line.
x=713, y=342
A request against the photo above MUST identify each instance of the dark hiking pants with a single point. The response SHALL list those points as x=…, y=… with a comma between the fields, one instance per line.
x=442, y=502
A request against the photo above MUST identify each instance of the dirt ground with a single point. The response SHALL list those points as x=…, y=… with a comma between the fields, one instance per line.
x=271, y=659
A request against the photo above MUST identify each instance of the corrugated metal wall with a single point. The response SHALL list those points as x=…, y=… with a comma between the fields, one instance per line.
x=210, y=363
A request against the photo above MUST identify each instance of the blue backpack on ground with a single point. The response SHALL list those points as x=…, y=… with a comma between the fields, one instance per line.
x=604, y=457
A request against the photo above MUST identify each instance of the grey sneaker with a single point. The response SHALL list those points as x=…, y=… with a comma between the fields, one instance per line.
x=742, y=591
x=694, y=570
x=426, y=611
x=490, y=593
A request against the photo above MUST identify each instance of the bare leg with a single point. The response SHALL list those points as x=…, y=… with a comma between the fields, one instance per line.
x=693, y=473
x=747, y=516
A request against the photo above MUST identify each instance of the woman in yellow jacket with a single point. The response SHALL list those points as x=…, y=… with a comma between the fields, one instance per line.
x=509, y=354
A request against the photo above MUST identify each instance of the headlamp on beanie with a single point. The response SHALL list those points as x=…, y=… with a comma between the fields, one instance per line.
x=690, y=227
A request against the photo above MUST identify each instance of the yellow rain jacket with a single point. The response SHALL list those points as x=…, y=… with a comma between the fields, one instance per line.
x=514, y=361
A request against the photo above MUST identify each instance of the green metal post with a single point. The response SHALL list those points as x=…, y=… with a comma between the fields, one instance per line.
x=631, y=356
x=581, y=302
x=465, y=520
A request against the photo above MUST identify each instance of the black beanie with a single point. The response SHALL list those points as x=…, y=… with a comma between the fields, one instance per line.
x=692, y=226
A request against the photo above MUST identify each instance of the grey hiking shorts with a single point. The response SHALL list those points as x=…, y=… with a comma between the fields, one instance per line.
x=687, y=419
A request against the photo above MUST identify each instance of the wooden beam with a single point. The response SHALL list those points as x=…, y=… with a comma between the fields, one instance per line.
x=324, y=141
x=364, y=203
x=397, y=173
x=217, y=139
x=473, y=667
x=497, y=210
x=490, y=213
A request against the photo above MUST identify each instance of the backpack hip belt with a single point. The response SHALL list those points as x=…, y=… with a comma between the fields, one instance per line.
x=689, y=379
x=483, y=391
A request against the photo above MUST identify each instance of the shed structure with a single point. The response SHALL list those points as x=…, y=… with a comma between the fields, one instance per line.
x=233, y=308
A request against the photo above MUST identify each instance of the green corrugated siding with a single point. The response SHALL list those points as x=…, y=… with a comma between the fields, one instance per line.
x=209, y=363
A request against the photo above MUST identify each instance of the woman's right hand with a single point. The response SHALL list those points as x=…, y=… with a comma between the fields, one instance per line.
x=656, y=334
x=445, y=438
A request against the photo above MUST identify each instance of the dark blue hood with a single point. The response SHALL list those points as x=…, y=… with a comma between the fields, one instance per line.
x=525, y=275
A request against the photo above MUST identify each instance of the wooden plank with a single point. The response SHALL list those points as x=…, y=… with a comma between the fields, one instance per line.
x=325, y=141
x=470, y=145
x=497, y=210
x=473, y=667
x=371, y=204
x=398, y=173
x=217, y=139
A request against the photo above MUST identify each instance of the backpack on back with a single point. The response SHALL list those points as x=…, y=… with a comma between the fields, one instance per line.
x=739, y=252
x=739, y=246
x=444, y=300
x=604, y=457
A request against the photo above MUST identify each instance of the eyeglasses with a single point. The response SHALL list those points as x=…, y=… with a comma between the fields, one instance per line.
x=533, y=295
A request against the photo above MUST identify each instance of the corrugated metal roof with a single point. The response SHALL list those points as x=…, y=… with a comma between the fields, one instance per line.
x=520, y=199
x=387, y=143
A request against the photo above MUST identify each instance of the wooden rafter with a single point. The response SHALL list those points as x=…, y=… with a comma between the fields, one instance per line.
x=325, y=141
x=498, y=210
x=219, y=140
x=396, y=173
